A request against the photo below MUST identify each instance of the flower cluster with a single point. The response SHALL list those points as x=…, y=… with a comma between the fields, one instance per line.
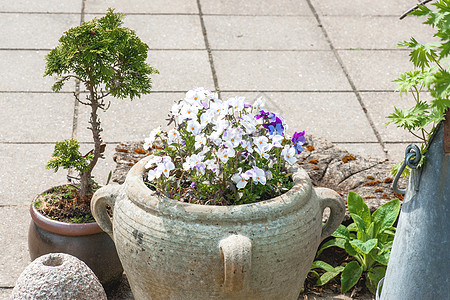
x=222, y=152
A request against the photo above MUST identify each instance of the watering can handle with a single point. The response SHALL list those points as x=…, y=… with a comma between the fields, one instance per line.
x=331, y=199
x=236, y=251
x=105, y=196
x=412, y=160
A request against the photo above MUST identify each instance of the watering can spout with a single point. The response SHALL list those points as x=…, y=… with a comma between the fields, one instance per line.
x=420, y=256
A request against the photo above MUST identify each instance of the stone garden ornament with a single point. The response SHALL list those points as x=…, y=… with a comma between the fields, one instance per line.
x=220, y=208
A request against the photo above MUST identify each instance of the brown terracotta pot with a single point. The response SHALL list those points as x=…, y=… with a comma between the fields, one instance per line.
x=86, y=241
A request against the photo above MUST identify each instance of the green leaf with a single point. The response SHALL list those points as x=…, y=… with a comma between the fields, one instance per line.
x=361, y=227
x=441, y=85
x=357, y=206
x=382, y=258
x=350, y=276
x=326, y=277
x=441, y=105
x=350, y=250
x=373, y=277
x=338, y=242
x=421, y=54
x=341, y=232
x=364, y=247
x=322, y=265
x=384, y=217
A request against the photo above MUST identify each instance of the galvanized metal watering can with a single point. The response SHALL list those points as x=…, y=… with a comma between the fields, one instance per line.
x=419, y=265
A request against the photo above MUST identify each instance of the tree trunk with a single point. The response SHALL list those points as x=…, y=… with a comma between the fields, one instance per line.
x=85, y=180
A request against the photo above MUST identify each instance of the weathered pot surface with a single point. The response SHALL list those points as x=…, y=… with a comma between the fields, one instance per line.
x=175, y=250
x=86, y=241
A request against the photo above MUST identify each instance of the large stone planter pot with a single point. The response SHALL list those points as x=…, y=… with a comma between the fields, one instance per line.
x=86, y=241
x=175, y=250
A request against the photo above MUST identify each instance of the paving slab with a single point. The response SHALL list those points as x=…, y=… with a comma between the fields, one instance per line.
x=380, y=105
x=180, y=31
x=148, y=112
x=340, y=120
x=363, y=7
x=5, y=293
x=368, y=150
x=23, y=174
x=143, y=6
x=34, y=31
x=396, y=151
x=14, y=222
x=256, y=7
x=374, y=70
x=25, y=71
x=264, y=32
x=180, y=70
x=66, y=6
x=279, y=71
x=36, y=117
x=374, y=32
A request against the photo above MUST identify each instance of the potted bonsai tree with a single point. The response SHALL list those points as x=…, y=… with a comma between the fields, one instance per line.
x=108, y=60
x=220, y=209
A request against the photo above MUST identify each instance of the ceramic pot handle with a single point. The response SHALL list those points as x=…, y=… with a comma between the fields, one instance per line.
x=331, y=199
x=104, y=196
x=236, y=252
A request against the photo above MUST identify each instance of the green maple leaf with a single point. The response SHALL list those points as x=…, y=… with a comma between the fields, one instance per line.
x=421, y=54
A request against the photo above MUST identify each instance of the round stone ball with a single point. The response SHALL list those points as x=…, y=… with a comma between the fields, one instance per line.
x=58, y=276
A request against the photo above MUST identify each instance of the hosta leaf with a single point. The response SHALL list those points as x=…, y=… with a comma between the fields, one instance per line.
x=350, y=276
x=350, y=250
x=364, y=247
x=385, y=216
x=357, y=206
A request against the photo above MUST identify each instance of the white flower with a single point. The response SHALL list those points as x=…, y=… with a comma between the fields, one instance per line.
x=212, y=165
x=193, y=127
x=153, y=160
x=289, y=154
x=165, y=167
x=276, y=140
x=249, y=123
x=200, y=140
x=225, y=153
x=218, y=107
x=195, y=96
x=173, y=136
x=233, y=136
x=188, y=112
x=259, y=103
x=262, y=146
x=240, y=179
x=257, y=175
x=151, y=139
x=236, y=103
x=206, y=117
x=192, y=161
x=154, y=174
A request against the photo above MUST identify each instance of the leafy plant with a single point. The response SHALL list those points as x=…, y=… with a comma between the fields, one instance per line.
x=430, y=73
x=368, y=240
x=222, y=152
x=109, y=60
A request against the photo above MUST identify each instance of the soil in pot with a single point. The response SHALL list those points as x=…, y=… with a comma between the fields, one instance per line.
x=63, y=224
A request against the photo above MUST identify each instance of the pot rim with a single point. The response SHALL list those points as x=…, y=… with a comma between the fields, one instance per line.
x=61, y=228
x=287, y=203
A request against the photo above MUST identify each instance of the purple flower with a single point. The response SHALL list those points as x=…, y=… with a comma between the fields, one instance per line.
x=262, y=114
x=298, y=139
x=275, y=127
